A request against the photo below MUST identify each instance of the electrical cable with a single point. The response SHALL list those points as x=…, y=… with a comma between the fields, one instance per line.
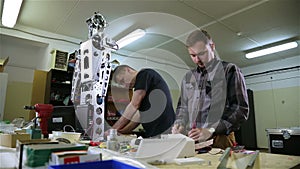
x=271, y=71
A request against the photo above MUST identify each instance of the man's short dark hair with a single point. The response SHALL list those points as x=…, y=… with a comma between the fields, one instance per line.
x=119, y=69
x=196, y=36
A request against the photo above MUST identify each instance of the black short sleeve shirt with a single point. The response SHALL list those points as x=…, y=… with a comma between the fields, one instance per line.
x=156, y=109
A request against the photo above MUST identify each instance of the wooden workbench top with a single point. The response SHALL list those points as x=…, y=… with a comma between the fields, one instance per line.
x=265, y=161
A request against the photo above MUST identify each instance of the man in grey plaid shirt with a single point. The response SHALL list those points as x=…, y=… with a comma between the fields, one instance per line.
x=213, y=101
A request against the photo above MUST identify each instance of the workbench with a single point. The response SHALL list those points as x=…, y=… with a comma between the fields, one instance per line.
x=264, y=161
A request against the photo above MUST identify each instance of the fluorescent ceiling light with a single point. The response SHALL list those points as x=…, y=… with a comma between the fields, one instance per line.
x=133, y=36
x=271, y=50
x=11, y=9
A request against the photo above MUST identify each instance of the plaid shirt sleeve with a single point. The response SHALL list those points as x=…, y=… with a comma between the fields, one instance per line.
x=236, y=108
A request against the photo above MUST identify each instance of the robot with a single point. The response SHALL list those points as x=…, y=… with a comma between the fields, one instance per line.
x=91, y=77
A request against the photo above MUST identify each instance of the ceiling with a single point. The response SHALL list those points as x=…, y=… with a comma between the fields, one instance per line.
x=235, y=25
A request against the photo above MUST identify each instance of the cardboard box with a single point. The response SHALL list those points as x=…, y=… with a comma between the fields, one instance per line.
x=3, y=62
x=72, y=157
x=10, y=140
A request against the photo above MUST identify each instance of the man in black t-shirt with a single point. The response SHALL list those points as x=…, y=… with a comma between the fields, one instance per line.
x=151, y=96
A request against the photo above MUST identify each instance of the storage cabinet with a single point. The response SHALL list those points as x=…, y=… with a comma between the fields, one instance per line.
x=51, y=87
x=60, y=87
x=54, y=87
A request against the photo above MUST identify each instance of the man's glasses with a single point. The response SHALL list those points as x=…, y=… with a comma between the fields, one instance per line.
x=199, y=54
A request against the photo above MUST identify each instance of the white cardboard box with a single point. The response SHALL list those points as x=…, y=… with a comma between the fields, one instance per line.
x=72, y=157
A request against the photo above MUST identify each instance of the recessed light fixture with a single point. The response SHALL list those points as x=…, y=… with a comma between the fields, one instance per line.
x=11, y=9
x=270, y=50
x=133, y=36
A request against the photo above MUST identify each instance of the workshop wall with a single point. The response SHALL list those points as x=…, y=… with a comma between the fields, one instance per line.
x=23, y=59
x=28, y=50
x=276, y=95
x=18, y=95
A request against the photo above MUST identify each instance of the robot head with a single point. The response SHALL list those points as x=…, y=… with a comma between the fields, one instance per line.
x=97, y=21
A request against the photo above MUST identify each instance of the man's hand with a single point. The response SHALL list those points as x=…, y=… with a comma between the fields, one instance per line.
x=106, y=133
x=200, y=134
x=178, y=129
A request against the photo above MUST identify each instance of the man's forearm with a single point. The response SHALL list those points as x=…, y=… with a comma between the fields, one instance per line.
x=121, y=123
x=129, y=127
x=135, y=121
x=126, y=117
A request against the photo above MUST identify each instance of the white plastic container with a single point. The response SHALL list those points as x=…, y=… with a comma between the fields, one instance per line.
x=73, y=137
